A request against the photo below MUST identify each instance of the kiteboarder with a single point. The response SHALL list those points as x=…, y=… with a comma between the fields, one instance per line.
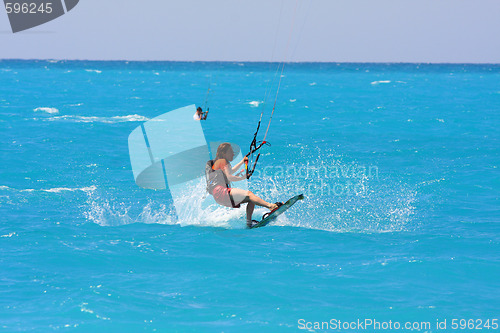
x=200, y=115
x=220, y=174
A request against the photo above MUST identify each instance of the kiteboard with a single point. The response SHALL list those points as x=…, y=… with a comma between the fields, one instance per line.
x=266, y=219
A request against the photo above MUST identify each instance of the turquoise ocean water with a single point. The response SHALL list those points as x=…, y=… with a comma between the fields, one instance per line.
x=398, y=162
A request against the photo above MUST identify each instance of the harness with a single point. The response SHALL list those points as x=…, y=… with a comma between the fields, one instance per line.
x=217, y=178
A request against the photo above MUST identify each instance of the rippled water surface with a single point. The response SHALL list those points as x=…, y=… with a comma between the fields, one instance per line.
x=398, y=163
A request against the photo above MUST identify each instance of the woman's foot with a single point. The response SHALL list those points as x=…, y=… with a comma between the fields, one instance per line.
x=275, y=206
x=251, y=223
x=272, y=207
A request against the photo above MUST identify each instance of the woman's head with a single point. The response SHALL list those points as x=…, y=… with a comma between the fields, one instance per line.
x=225, y=151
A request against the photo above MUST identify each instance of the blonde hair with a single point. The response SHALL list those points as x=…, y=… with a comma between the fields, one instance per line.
x=222, y=150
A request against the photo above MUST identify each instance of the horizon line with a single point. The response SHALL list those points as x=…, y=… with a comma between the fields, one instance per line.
x=255, y=61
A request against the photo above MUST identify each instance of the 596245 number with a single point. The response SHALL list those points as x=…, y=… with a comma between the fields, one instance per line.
x=474, y=324
x=28, y=8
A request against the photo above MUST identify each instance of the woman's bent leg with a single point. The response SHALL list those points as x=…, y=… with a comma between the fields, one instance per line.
x=242, y=196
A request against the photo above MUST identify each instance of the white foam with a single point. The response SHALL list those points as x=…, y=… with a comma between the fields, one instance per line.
x=293, y=100
x=47, y=110
x=63, y=189
x=254, y=103
x=312, y=83
x=367, y=205
x=380, y=82
x=192, y=210
x=3, y=187
x=84, y=308
x=105, y=213
x=371, y=207
x=93, y=71
x=59, y=189
x=428, y=182
x=107, y=120
x=9, y=235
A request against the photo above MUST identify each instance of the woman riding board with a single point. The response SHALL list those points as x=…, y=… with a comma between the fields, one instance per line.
x=220, y=174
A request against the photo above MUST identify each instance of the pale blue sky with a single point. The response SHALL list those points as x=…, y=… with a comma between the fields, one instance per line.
x=449, y=31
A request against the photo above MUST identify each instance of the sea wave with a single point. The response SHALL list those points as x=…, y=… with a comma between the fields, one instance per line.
x=94, y=119
x=47, y=110
x=380, y=82
x=62, y=189
x=254, y=103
